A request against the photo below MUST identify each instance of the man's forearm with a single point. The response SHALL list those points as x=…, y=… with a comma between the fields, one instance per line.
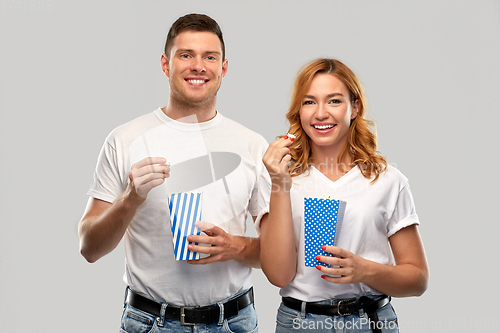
x=250, y=253
x=103, y=226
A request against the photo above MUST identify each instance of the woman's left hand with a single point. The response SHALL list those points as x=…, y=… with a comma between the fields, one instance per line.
x=348, y=267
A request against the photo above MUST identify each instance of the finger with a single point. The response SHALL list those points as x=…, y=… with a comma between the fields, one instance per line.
x=338, y=271
x=279, y=160
x=284, y=162
x=338, y=280
x=282, y=142
x=150, y=169
x=336, y=251
x=146, y=179
x=204, y=225
x=209, y=240
x=204, y=261
x=202, y=249
x=332, y=261
x=150, y=161
x=144, y=189
x=200, y=239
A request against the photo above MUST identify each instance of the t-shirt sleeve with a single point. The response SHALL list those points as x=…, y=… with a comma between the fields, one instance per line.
x=107, y=183
x=259, y=201
x=404, y=213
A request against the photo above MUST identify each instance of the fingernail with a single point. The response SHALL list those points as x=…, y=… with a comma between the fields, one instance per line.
x=285, y=137
x=323, y=248
x=317, y=258
x=291, y=139
x=323, y=277
x=318, y=267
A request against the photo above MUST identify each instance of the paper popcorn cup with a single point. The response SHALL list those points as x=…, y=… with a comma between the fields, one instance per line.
x=323, y=218
x=185, y=210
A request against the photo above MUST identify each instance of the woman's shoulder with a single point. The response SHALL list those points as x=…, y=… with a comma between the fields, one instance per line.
x=393, y=175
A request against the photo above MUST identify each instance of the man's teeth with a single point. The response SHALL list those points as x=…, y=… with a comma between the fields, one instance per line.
x=196, y=81
x=322, y=127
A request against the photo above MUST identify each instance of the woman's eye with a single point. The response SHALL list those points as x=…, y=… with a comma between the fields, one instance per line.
x=308, y=103
x=335, y=101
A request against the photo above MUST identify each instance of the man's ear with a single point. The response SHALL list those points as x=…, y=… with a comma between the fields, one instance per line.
x=164, y=65
x=224, y=67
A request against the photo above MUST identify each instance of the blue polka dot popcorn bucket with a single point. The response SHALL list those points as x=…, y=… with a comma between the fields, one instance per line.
x=323, y=219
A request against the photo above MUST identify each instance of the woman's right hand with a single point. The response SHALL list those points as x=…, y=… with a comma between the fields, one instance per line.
x=276, y=161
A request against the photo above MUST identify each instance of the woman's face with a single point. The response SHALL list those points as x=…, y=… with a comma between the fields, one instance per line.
x=326, y=112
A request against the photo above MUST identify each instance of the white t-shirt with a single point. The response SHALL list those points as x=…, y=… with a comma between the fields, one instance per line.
x=220, y=158
x=374, y=212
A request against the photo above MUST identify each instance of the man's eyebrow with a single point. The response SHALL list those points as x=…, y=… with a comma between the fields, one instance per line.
x=206, y=52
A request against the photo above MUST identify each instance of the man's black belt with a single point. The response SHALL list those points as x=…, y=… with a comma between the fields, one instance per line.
x=190, y=315
x=343, y=307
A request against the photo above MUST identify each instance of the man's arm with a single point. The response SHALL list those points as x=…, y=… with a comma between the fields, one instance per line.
x=103, y=224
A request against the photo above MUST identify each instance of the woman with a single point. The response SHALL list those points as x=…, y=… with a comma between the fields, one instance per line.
x=332, y=151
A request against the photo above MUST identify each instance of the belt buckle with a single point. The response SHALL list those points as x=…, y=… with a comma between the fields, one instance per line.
x=338, y=308
x=183, y=315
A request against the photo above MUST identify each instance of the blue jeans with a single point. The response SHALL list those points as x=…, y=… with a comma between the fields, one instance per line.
x=137, y=321
x=289, y=320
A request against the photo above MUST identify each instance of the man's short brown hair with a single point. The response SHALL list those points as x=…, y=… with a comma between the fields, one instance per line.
x=194, y=22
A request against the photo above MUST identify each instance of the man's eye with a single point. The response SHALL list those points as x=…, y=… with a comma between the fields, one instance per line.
x=211, y=58
x=185, y=56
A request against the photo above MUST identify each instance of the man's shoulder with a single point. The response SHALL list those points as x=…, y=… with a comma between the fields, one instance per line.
x=241, y=130
x=135, y=127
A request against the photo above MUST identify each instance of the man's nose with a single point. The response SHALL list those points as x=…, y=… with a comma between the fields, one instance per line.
x=198, y=64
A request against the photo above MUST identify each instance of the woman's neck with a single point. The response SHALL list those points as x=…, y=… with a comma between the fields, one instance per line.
x=326, y=160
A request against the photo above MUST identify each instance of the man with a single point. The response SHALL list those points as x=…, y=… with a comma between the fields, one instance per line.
x=208, y=153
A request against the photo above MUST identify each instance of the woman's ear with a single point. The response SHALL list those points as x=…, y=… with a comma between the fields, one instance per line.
x=355, y=109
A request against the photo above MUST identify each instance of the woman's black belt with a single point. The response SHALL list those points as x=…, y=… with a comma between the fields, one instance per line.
x=343, y=307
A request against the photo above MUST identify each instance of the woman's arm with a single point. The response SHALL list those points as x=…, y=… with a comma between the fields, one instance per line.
x=278, y=253
x=408, y=277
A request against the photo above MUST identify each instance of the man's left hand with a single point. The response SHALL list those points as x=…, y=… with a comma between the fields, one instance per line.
x=223, y=246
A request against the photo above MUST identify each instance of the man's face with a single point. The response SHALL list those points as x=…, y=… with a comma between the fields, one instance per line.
x=195, y=68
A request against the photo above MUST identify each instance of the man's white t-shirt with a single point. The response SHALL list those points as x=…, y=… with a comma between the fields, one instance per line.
x=220, y=158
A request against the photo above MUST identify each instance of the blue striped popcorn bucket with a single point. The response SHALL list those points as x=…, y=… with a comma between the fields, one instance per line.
x=322, y=221
x=185, y=210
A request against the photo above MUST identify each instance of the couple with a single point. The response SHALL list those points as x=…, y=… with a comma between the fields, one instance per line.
x=330, y=149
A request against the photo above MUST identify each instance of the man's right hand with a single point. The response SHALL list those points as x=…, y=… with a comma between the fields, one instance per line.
x=103, y=224
x=147, y=174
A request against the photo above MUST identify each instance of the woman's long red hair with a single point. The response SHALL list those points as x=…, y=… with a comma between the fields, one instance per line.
x=362, y=140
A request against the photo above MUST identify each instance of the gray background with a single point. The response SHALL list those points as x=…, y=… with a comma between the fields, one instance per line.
x=72, y=71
